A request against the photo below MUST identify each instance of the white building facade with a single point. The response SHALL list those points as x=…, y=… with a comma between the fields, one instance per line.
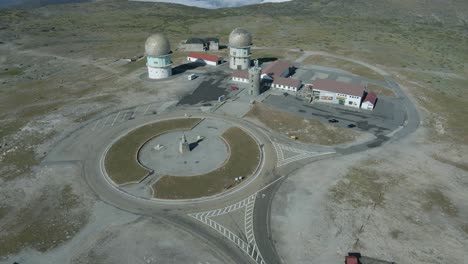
x=159, y=67
x=240, y=41
x=337, y=98
x=239, y=58
x=341, y=93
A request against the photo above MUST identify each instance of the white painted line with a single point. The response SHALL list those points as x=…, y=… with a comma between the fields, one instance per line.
x=106, y=121
x=147, y=108
x=97, y=122
x=115, y=119
x=268, y=185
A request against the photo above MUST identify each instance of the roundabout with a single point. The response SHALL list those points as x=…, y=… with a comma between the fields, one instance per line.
x=137, y=165
x=183, y=158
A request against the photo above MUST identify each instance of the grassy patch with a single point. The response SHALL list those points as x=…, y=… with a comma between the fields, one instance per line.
x=465, y=228
x=395, y=233
x=4, y=211
x=363, y=187
x=243, y=160
x=49, y=221
x=379, y=90
x=436, y=198
x=306, y=130
x=344, y=65
x=11, y=72
x=121, y=160
x=19, y=161
x=135, y=65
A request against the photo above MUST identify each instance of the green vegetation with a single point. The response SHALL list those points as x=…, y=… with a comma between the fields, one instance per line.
x=4, y=211
x=307, y=131
x=362, y=187
x=121, y=159
x=11, y=72
x=379, y=90
x=48, y=221
x=395, y=233
x=436, y=198
x=244, y=158
x=465, y=228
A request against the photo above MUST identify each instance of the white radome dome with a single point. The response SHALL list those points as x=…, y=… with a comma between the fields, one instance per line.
x=157, y=45
x=240, y=38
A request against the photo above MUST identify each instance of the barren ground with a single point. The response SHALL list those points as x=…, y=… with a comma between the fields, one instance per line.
x=306, y=130
x=61, y=65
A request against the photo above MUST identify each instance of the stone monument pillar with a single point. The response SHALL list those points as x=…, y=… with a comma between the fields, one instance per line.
x=184, y=146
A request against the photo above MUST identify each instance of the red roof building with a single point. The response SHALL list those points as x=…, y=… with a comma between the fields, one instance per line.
x=206, y=58
x=353, y=89
x=279, y=68
x=331, y=91
x=369, y=101
x=286, y=84
x=240, y=76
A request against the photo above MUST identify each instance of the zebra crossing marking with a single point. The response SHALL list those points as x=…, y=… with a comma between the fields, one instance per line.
x=301, y=154
x=250, y=246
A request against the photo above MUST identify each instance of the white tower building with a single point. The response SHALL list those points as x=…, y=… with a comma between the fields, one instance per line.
x=158, y=57
x=240, y=41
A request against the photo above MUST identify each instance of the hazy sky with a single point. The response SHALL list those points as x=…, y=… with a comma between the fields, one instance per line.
x=215, y=3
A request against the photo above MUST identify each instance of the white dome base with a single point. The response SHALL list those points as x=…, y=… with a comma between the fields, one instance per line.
x=159, y=73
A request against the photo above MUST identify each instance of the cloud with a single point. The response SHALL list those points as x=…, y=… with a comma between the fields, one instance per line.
x=212, y=4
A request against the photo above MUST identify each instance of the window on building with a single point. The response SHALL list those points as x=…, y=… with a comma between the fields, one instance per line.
x=350, y=102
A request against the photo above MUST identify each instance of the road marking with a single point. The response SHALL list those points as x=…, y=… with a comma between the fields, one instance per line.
x=300, y=154
x=144, y=113
x=105, y=121
x=95, y=126
x=250, y=246
x=115, y=119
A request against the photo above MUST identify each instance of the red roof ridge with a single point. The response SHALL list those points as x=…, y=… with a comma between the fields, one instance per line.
x=204, y=56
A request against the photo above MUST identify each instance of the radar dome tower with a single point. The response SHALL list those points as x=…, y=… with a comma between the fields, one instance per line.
x=158, y=56
x=240, y=41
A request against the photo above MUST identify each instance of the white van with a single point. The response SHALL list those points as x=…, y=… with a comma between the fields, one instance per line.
x=192, y=76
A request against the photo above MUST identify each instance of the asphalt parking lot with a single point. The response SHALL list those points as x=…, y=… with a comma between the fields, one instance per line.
x=387, y=116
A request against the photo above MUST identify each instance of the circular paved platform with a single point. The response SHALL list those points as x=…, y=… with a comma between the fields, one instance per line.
x=206, y=155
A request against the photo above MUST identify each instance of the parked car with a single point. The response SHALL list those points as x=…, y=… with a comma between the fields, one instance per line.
x=333, y=121
x=351, y=125
x=234, y=88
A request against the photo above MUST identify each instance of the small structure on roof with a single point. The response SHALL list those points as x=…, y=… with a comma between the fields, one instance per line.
x=369, y=101
x=334, y=92
x=204, y=58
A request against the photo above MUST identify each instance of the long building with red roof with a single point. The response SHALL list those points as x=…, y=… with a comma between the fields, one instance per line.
x=205, y=58
x=275, y=75
x=331, y=91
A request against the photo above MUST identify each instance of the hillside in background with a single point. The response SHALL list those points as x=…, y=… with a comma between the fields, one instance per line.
x=451, y=12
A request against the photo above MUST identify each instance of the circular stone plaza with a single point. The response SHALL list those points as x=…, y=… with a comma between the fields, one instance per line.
x=183, y=158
